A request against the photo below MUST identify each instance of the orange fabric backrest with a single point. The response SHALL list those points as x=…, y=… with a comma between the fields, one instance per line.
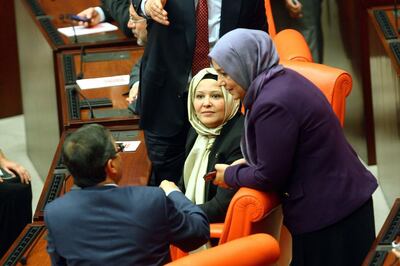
x=334, y=83
x=254, y=250
x=291, y=45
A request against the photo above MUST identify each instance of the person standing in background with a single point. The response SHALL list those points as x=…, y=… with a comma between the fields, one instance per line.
x=303, y=16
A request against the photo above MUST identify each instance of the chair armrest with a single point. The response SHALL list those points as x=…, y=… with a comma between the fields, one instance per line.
x=216, y=230
x=257, y=249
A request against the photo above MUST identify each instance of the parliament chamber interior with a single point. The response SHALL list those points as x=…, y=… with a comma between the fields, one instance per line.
x=43, y=99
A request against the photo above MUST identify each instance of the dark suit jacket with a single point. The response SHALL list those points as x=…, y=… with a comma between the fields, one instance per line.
x=122, y=226
x=118, y=10
x=168, y=56
x=226, y=149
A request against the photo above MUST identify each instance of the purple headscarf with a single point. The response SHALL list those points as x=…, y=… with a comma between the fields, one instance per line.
x=249, y=57
x=244, y=54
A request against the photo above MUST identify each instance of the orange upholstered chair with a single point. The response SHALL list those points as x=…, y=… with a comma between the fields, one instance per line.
x=335, y=83
x=250, y=211
x=290, y=43
x=254, y=250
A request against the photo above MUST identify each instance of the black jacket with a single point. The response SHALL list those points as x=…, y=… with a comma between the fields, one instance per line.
x=226, y=149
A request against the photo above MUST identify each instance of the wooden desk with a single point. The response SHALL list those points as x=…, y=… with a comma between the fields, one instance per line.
x=385, y=81
x=136, y=169
x=29, y=248
x=48, y=17
x=38, y=44
x=379, y=254
x=99, y=62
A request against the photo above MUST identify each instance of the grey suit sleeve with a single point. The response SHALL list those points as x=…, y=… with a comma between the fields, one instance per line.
x=135, y=73
x=189, y=227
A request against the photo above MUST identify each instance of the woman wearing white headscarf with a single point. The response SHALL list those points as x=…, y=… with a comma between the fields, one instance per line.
x=293, y=144
x=217, y=127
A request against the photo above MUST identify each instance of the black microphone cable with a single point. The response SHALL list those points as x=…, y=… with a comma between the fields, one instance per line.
x=82, y=53
x=78, y=90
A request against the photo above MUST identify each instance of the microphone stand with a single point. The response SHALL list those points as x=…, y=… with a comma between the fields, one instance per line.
x=63, y=18
x=78, y=90
x=81, y=54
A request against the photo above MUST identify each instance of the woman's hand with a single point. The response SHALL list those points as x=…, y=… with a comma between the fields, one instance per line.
x=220, y=176
x=10, y=166
x=239, y=161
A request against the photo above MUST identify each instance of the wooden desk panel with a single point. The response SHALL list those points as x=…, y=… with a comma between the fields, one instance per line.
x=379, y=254
x=95, y=65
x=385, y=81
x=29, y=248
x=136, y=169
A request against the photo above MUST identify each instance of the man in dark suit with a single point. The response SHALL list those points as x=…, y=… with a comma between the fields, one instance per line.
x=102, y=224
x=166, y=69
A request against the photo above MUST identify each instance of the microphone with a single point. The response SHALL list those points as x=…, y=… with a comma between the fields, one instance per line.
x=68, y=17
x=78, y=90
x=81, y=54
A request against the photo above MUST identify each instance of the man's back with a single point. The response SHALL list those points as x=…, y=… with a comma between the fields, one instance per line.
x=107, y=225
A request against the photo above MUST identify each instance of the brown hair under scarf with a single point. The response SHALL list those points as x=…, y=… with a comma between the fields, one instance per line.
x=196, y=162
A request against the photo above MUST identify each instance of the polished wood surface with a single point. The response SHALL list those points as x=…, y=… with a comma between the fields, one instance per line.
x=28, y=250
x=97, y=68
x=10, y=86
x=385, y=81
x=136, y=169
x=386, y=258
x=53, y=10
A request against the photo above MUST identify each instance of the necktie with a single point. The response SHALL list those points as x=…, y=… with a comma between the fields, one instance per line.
x=200, y=58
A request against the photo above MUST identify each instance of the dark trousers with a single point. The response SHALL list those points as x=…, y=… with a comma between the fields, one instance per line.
x=346, y=242
x=167, y=156
x=15, y=211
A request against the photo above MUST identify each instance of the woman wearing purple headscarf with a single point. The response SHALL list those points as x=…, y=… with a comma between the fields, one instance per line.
x=294, y=145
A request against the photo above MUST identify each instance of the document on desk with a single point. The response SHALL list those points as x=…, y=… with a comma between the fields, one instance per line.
x=95, y=83
x=81, y=30
x=130, y=145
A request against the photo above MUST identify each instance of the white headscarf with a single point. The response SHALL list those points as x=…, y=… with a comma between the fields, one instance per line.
x=196, y=162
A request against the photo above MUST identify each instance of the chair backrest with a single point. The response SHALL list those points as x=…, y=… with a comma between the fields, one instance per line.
x=335, y=83
x=254, y=250
x=251, y=211
x=291, y=45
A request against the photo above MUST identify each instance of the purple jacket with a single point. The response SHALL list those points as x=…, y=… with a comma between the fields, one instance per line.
x=299, y=150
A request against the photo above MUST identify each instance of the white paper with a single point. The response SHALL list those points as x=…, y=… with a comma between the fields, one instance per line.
x=82, y=30
x=94, y=83
x=1, y=173
x=130, y=145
